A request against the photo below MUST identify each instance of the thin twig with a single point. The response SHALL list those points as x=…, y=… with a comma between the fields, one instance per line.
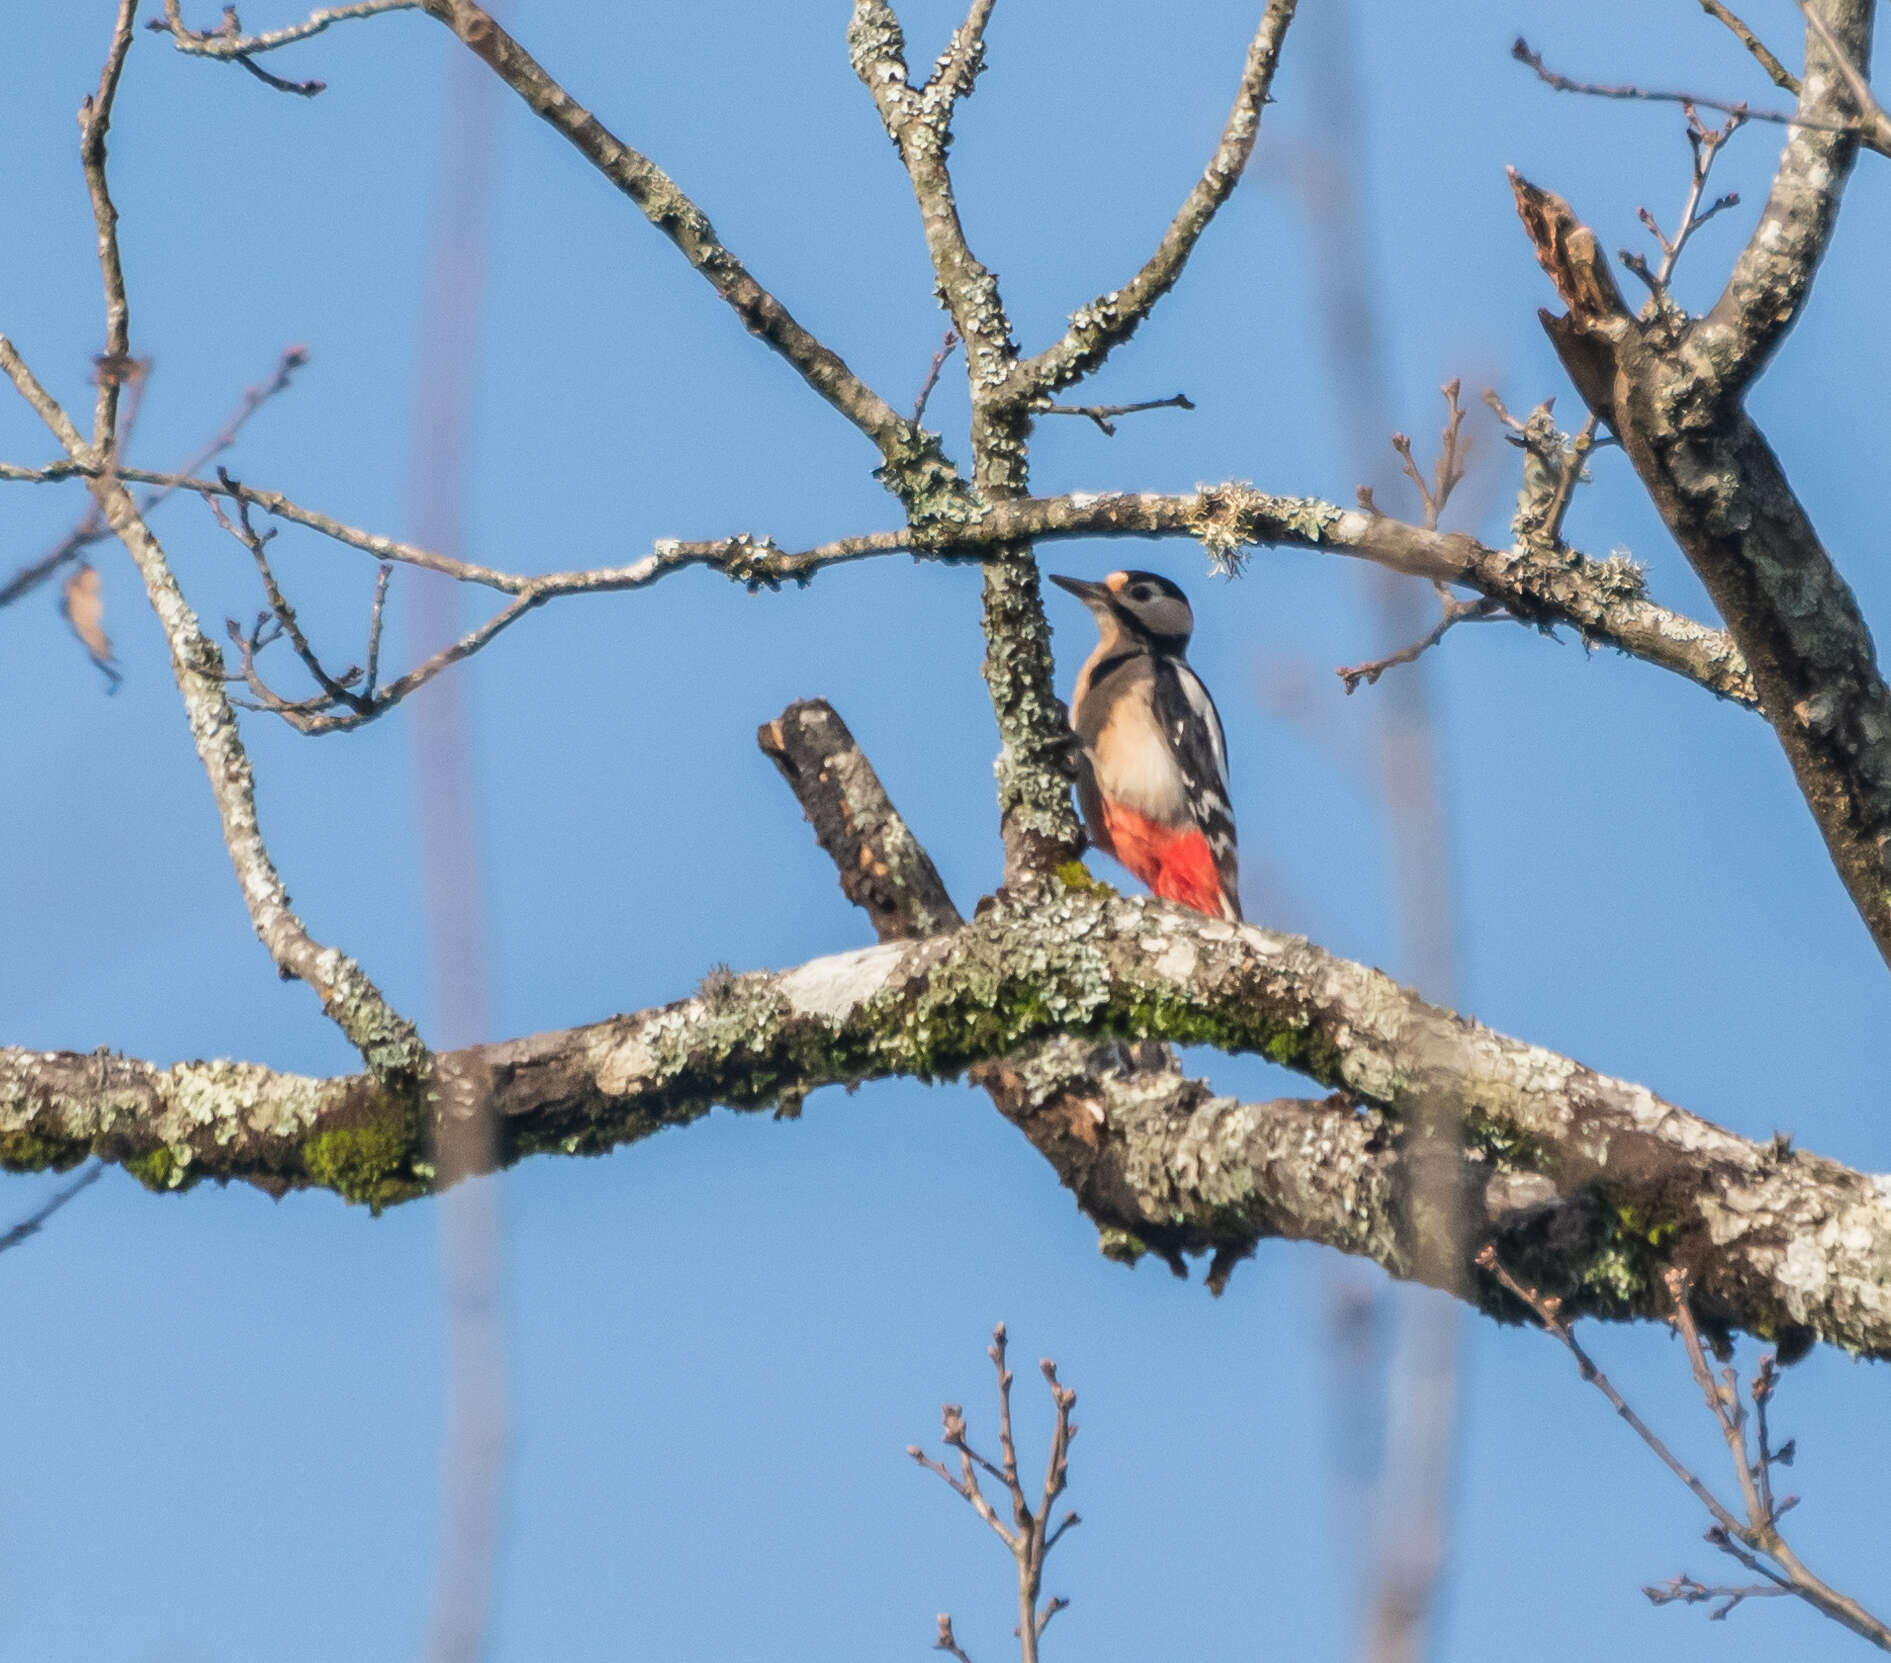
x=373, y=670
x=1684, y=1590
x=1776, y=72
x=1522, y=51
x=1723, y=1398
x=91, y=528
x=932, y=375
x=1449, y=468
x=254, y=398
x=1101, y=413
x=1705, y=143
x=302, y=89
x=1027, y=1539
x=1453, y=611
x=1548, y=1312
x=33, y=1223
x=947, y=1641
x=227, y=40
x=319, y=716
x=1761, y=1391
x=338, y=689
x=95, y=121
x=1756, y=1542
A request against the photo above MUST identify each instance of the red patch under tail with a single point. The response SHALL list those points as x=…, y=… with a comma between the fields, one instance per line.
x=1176, y=864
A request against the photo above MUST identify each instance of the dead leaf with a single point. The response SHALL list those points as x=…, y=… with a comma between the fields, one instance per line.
x=83, y=603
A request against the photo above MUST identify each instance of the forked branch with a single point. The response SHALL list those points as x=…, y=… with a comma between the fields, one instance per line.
x=1750, y=1535
x=82, y=600
x=1601, y=599
x=388, y=1043
x=228, y=41
x=1674, y=397
x=1434, y=494
x=1452, y=611
x=1028, y=1535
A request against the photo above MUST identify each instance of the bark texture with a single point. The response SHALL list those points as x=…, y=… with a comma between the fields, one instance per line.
x=1671, y=387
x=1592, y=1183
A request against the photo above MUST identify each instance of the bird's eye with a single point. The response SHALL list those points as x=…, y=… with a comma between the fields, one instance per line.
x=1141, y=592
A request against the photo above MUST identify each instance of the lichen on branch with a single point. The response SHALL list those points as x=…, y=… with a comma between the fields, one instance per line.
x=1778, y=1242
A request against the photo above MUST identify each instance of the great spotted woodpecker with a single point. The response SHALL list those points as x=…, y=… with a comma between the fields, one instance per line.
x=1152, y=777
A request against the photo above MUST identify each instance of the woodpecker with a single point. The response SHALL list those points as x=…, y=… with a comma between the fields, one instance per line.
x=1152, y=777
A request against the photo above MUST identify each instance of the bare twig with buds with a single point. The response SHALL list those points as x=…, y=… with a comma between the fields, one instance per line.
x=1029, y=1535
x=1101, y=414
x=1447, y=472
x=1750, y=1536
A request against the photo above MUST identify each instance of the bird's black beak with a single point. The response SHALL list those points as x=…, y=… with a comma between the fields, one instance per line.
x=1091, y=594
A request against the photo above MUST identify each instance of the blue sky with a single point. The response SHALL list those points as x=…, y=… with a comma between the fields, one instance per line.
x=226, y=1410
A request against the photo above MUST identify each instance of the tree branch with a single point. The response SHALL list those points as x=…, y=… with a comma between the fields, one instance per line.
x=915, y=468
x=386, y=1040
x=388, y=1043
x=1027, y=1539
x=1601, y=600
x=1574, y=1175
x=95, y=121
x=1451, y=613
x=1873, y=123
x=1629, y=92
x=1102, y=414
x=883, y=870
x=1106, y=322
x=919, y=122
x=35, y=1221
x=227, y=41
x=1716, y=482
x=1776, y=72
x=1040, y=829
x=91, y=528
x=1773, y=275
x=963, y=61
x=1754, y=1540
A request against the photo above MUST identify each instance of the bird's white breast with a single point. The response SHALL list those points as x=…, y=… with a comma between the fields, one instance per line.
x=1134, y=765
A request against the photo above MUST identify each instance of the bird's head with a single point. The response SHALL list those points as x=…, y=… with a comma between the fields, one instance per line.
x=1141, y=605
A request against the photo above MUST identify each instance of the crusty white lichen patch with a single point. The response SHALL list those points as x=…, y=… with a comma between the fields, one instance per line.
x=624, y=1066
x=1177, y=962
x=1802, y=1272
x=833, y=988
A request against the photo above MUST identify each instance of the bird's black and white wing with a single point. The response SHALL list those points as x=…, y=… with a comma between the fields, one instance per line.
x=1193, y=726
